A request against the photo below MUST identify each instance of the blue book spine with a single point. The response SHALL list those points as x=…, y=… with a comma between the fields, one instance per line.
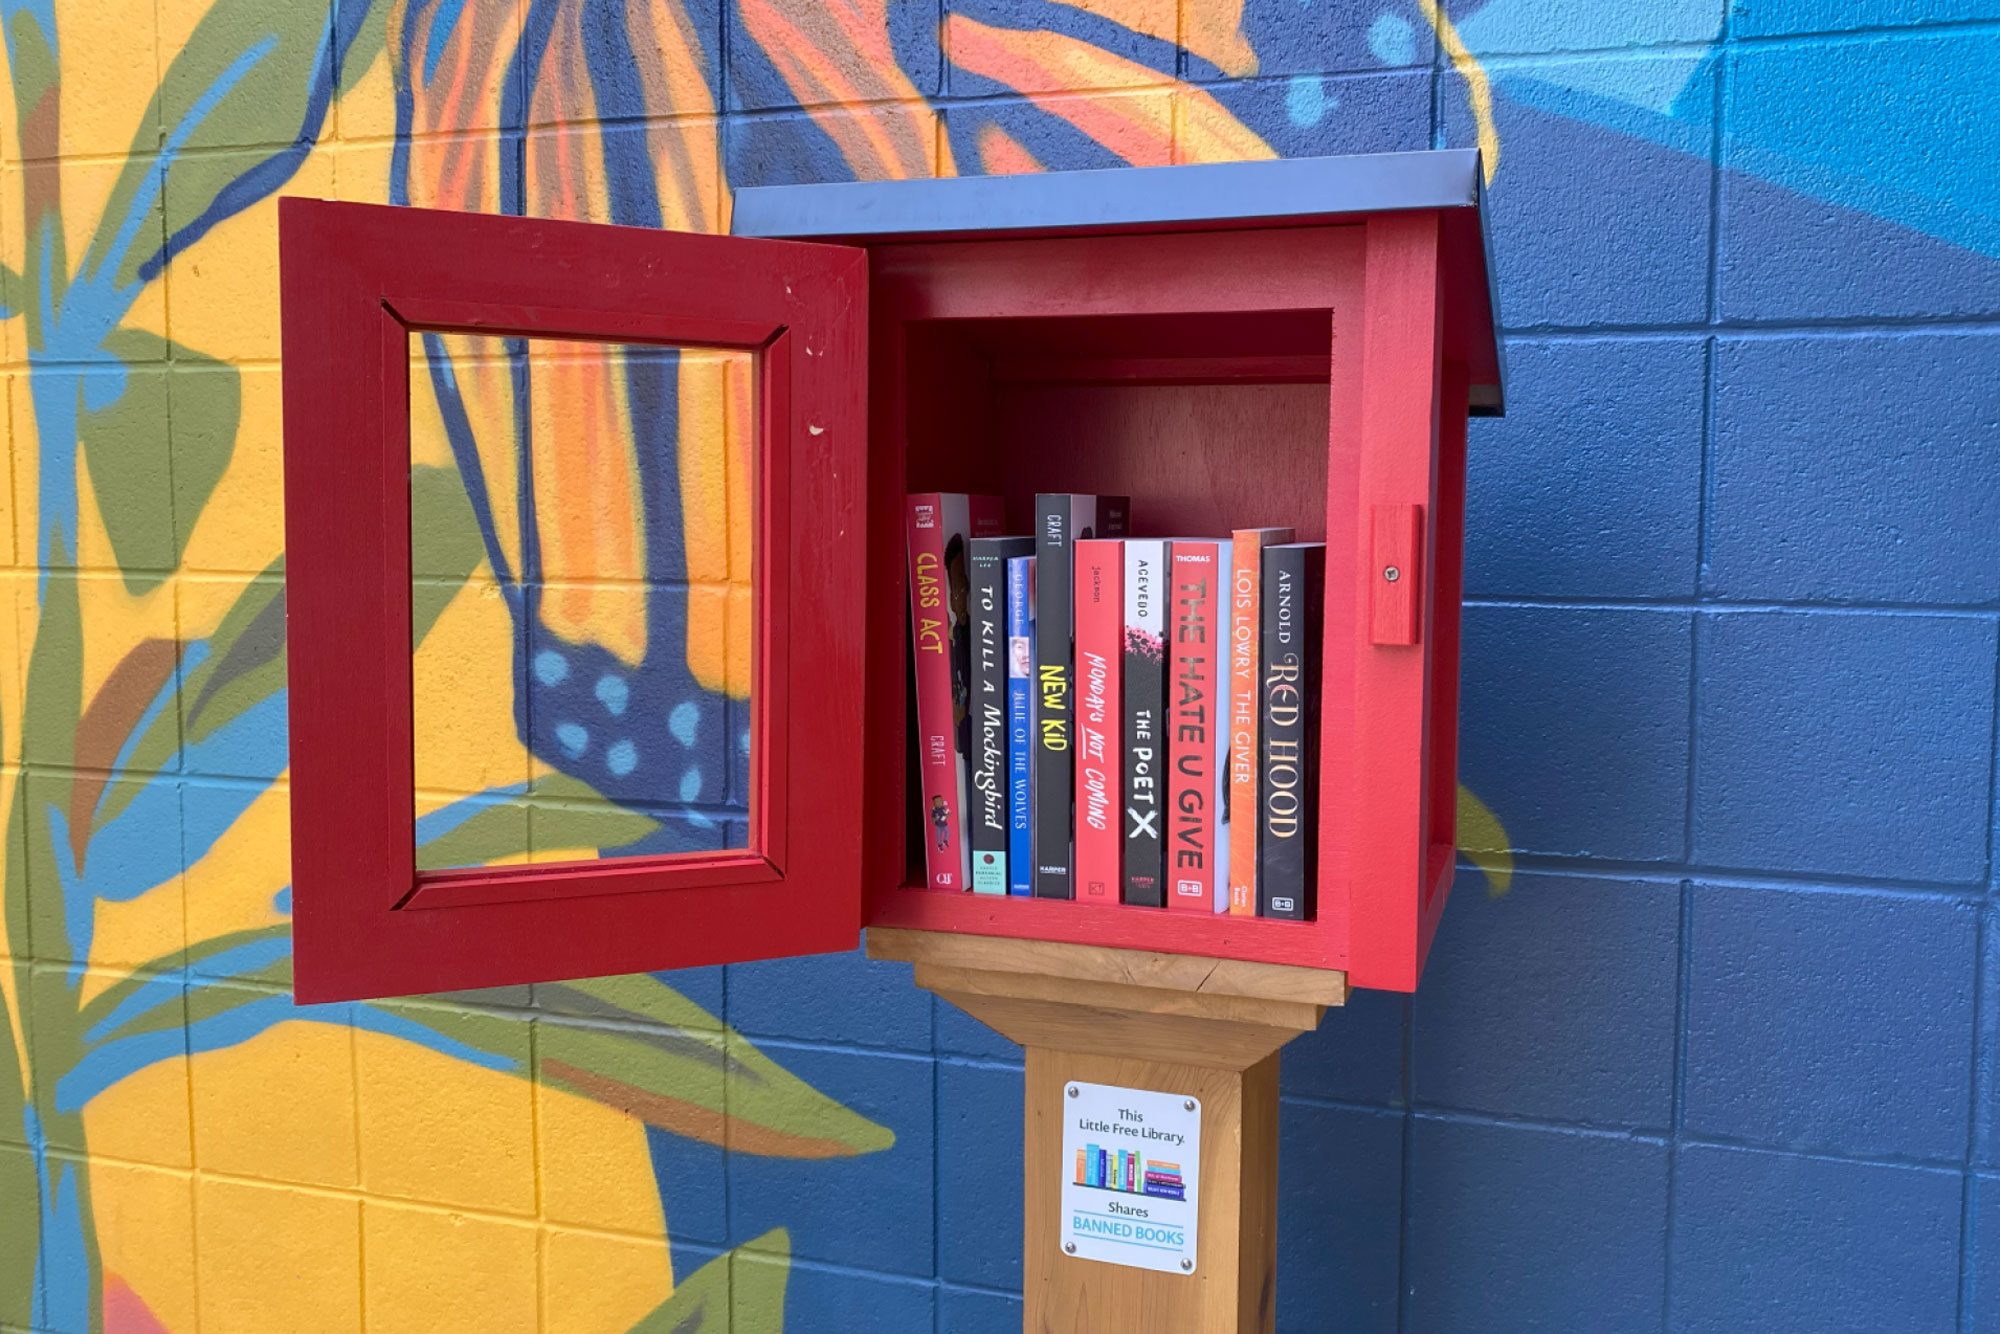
x=1020, y=774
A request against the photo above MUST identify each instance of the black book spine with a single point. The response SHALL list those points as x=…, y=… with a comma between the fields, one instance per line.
x=1061, y=521
x=1055, y=667
x=987, y=817
x=1145, y=705
x=1294, y=579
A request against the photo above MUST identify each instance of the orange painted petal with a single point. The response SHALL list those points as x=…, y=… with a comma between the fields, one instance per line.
x=448, y=167
x=1214, y=31
x=1001, y=154
x=835, y=55
x=126, y=1312
x=1137, y=128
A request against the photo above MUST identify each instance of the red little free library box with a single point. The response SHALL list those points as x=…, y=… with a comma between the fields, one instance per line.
x=1293, y=342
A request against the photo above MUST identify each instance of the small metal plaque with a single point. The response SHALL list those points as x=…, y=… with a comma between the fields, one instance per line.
x=1130, y=1166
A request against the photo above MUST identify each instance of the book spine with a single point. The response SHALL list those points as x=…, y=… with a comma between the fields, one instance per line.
x=1219, y=858
x=1020, y=673
x=1109, y=517
x=1293, y=592
x=938, y=561
x=1193, y=723
x=1100, y=614
x=987, y=821
x=1055, y=539
x=1144, y=690
x=1245, y=709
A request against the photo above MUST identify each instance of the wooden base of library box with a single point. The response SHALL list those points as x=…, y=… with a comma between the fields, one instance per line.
x=1174, y=1023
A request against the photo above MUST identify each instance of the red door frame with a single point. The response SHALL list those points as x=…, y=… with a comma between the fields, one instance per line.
x=355, y=280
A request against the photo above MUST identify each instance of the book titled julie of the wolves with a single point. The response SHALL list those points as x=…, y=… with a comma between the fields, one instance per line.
x=941, y=527
x=1020, y=725
x=986, y=821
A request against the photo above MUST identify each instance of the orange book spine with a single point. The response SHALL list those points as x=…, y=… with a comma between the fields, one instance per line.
x=1245, y=707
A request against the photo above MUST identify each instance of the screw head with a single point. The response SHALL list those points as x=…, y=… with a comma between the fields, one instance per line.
x=1187, y=1264
x=1188, y=1105
x=1391, y=573
x=1072, y=1090
x=1069, y=1247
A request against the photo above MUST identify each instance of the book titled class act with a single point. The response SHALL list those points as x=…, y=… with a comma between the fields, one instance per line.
x=1114, y=719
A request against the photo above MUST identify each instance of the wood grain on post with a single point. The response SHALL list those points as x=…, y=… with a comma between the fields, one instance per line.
x=1178, y=1024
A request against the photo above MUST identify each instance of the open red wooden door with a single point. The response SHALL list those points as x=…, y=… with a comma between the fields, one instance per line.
x=365, y=287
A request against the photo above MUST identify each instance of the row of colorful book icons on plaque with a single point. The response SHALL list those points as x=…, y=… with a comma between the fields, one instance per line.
x=1127, y=1171
x=1111, y=718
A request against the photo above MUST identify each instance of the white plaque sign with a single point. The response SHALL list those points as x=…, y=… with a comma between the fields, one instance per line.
x=1129, y=1164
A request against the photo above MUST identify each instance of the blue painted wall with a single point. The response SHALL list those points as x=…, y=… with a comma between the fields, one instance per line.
x=1722, y=1058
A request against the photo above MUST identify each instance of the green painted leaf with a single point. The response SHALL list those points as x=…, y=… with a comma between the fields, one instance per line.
x=445, y=546
x=244, y=666
x=238, y=95
x=638, y=1044
x=48, y=735
x=20, y=1200
x=369, y=43
x=36, y=80
x=202, y=1001
x=566, y=813
x=155, y=450
x=741, y=1292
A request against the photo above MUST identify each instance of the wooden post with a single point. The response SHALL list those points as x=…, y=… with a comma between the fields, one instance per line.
x=1171, y=1023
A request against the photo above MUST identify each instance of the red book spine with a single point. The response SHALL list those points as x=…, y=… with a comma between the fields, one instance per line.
x=1196, y=640
x=1100, y=634
x=935, y=520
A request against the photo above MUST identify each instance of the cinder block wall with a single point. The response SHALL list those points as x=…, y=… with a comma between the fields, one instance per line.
x=1708, y=1039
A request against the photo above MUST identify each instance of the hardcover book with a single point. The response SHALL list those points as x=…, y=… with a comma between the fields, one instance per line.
x=1144, y=689
x=1287, y=830
x=1100, y=624
x=987, y=821
x=1245, y=708
x=1196, y=731
x=941, y=527
x=1020, y=724
x=1061, y=521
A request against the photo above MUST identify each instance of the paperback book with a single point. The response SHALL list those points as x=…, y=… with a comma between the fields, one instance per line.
x=1195, y=725
x=1100, y=624
x=987, y=820
x=940, y=530
x=1144, y=691
x=1061, y=521
x=1294, y=579
x=1245, y=707
x=1020, y=723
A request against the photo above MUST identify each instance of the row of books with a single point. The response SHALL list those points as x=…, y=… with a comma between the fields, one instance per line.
x=1092, y=709
x=1127, y=1171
